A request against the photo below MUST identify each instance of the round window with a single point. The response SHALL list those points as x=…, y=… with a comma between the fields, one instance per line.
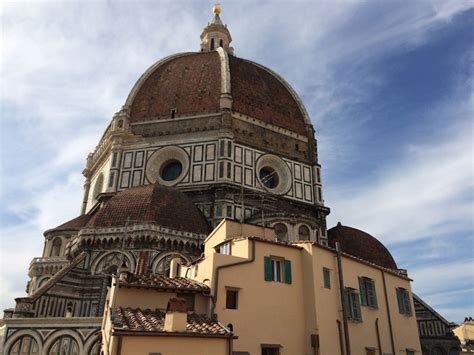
x=171, y=170
x=268, y=177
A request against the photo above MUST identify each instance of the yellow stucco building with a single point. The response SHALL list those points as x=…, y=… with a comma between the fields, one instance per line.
x=267, y=297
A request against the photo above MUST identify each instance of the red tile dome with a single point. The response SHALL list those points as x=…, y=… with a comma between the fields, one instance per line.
x=191, y=83
x=164, y=206
x=361, y=244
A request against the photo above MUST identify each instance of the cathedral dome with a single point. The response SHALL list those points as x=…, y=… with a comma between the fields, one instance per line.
x=361, y=244
x=164, y=206
x=194, y=83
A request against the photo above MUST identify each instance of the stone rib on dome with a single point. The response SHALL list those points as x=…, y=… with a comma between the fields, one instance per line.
x=362, y=245
x=191, y=83
x=164, y=206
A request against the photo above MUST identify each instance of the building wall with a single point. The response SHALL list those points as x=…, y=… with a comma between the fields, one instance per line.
x=172, y=345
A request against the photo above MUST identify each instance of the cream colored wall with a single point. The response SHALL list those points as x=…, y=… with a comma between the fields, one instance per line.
x=362, y=334
x=171, y=345
x=465, y=331
x=268, y=312
x=405, y=328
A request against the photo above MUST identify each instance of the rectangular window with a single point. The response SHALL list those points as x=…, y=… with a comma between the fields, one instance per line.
x=368, y=296
x=114, y=159
x=229, y=149
x=403, y=299
x=277, y=269
x=221, y=148
x=223, y=248
x=218, y=211
x=189, y=298
x=270, y=349
x=352, y=304
x=326, y=278
x=229, y=211
x=229, y=170
x=221, y=169
x=111, y=179
x=232, y=297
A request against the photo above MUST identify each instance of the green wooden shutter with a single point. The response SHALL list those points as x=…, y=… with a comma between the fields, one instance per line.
x=267, y=262
x=347, y=305
x=406, y=300
x=357, y=310
x=327, y=278
x=372, y=294
x=399, y=300
x=363, y=291
x=288, y=272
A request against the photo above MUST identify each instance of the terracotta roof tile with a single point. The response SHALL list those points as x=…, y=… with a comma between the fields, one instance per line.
x=138, y=320
x=164, y=283
x=191, y=84
x=257, y=93
x=74, y=224
x=152, y=203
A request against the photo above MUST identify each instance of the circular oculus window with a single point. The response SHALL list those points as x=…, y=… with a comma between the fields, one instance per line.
x=168, y=166
x=273, y=174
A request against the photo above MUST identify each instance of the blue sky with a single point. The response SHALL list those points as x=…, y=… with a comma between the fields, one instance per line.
x=388, y=85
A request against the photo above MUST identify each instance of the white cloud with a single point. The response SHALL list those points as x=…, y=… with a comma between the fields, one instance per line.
x=427, y=193
x=66, y=68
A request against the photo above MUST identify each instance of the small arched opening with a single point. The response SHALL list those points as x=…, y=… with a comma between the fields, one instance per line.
x=303, y=233
x=281, y=232
x=56, y=247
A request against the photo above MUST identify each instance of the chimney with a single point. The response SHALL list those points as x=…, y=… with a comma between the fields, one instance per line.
x=176, y=317
x=175, y=265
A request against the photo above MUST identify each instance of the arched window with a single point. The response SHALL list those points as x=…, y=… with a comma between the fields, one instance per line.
x=281, y=232
x=26, y=345
x=221, y=43
x=212, y=44
x=99, y=184
x=56, y=248
x=65, y=345
x=120, y=124
x=303, y=233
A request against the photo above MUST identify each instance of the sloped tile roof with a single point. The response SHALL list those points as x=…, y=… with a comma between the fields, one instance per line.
x=138, y=320
x=151, y=203
x=164, y=283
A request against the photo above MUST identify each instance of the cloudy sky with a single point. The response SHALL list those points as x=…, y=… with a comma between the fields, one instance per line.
x=388, y=85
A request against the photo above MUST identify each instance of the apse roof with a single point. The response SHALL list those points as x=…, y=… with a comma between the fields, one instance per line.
x=153, y=203
x=362, y=245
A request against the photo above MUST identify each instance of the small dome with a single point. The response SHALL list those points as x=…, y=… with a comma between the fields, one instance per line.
x=164, y=206
x=362, y=245
x=191, y=83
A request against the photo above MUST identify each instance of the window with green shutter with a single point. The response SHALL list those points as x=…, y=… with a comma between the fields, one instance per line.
x=268, y=268
x=352, y=305
x=277, y=269
x=287, y=272
x=368, y=296
x=326, y=278
x=403, y=299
